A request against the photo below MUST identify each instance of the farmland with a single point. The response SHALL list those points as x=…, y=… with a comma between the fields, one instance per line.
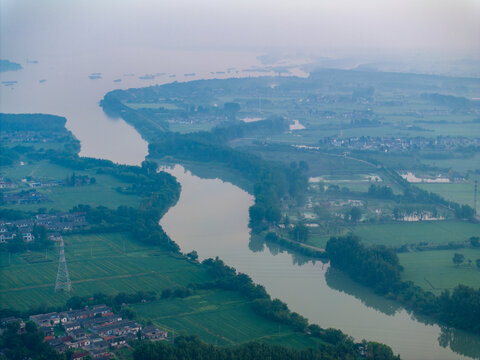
x=461, y=193
x=398, y=234
x=103, y=192
x=113, y=263
x=96, y=263
x=435, y=271
x=220, y=317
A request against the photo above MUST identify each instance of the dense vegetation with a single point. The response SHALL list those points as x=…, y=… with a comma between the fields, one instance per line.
x=378, y=267
x=191, y=348
x=28, y=345
x=32, y=122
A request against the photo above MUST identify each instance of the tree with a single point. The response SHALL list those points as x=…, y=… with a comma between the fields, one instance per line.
x=458, y=258
x=464, y=212
x=355, y=214
x=303, y=166
x=192, y=255
x=30, y=327
x=231, y=109
x=300, y=233
x=166, y=293
x=149, y=167
x=128, y=313
x=273, y=215
x=475, y=241
x=396, y=213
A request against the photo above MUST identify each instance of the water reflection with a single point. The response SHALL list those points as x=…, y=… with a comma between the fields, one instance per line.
x=256, y=244
x=341, y=282
x=460, y=341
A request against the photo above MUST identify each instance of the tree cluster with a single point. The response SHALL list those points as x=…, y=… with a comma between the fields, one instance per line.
x=28, y=345
x=186, y=348
x=379, y=268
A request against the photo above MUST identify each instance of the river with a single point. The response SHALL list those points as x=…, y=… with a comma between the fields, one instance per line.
x=211, y=216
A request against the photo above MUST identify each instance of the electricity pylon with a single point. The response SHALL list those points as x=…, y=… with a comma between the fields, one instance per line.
x=63, y=279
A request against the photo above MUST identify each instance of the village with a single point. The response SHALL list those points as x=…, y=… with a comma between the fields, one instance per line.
x=90, y=332
x=26, y=136
x=400, y=144
x=29, y=194
x=53, y=223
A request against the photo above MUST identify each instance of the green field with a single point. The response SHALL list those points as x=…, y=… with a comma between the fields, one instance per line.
x=435, y=271
x=433, y=232
x=217, y=316
x=461, y=165
x=461, y=193
x=64, y=197
x=112, y=263
x=184, y=128
x=96, y=263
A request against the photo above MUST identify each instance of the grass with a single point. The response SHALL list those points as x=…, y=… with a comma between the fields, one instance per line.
x=184, y=128
x=220, y=317
x=39, y=170
x=96, y=263
x=461, y=165
x=318, y=240
x=461, y=193
x=64, y=198
x=320, y=164
x=398, y=234
x=112, y=263
x=435, y=271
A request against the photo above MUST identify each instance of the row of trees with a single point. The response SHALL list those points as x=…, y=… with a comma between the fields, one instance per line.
x=186, y=348
x=458, y=259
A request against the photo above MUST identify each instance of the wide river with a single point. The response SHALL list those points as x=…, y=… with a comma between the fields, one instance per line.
x=211, y=216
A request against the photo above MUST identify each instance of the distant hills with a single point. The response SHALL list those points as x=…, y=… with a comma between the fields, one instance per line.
x=7, y=65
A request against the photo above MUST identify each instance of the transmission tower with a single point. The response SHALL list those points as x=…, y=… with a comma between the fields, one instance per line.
x=63, y=279
x=475, y=198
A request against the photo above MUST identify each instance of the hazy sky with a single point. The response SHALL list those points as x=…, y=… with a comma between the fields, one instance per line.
x=315, y=26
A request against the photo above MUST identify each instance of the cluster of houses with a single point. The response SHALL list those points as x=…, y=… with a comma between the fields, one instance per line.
x=24, y=198
x=94, y=331
x=6, y=184
x=54, y=224
x=400, y=144
x=74, y=180
x=23, y=136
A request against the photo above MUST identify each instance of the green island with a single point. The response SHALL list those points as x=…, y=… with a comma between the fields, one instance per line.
x=105, y=216
x=7, y=65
